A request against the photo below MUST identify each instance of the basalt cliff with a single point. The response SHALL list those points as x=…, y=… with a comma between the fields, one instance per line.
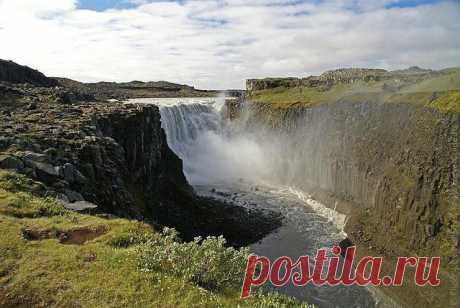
x=379, y=146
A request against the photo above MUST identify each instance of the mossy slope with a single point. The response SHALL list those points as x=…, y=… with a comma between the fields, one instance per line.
x=41, y=265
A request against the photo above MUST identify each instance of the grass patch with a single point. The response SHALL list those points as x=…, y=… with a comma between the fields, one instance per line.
x=417, y=90
x=126, y=265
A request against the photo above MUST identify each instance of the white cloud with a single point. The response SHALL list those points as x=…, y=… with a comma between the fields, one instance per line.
x=218, y=44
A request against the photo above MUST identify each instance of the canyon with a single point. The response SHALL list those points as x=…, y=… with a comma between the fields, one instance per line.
x=376, y=150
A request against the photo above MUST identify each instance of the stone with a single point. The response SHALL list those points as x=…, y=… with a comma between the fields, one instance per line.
x=30, y=172
x=36, y=157
x=60, y=184
x=32, y=106
x=71, y=174
x=63, y=198
x=73, y=196
x=11, y=162
x=68, y=172
x=5, y=142
x=51, y=153
x=45, y=168
x=80, y=206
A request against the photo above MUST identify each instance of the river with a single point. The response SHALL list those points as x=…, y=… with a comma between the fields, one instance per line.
x=228, y=163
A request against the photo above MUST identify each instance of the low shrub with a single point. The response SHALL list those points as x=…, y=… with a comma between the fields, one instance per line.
x=130, y=237
x=48, y=207
x=207, y=263
x=276, y=300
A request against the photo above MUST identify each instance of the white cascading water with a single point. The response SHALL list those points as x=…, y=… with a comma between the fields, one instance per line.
x=215, y=152
x=224, y=161
x=210, y=149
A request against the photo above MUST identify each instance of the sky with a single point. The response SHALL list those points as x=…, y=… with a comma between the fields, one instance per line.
x=218, y=44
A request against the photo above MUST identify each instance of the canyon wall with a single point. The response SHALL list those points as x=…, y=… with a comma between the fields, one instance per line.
x=391, y=167
x=113, y=155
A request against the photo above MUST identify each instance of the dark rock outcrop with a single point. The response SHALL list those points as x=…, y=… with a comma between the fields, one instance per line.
x=15, y=73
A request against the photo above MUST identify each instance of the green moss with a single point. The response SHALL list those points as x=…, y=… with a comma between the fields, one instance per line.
x=102, y=272
x=449, y=102
x=13, y=182
x=450, y=220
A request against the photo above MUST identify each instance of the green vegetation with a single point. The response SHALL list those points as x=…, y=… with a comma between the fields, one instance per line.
x=416, y=89
x=50, y=256
x=450, y=219
x=208, y=263
x=446, y=82
x=287, y=97
x=449, y=102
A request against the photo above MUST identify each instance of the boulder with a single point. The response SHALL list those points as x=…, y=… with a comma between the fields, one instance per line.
x=43, y=168
x=68, y=171
x=15, y=73
x=63, y=198
x=43, y=158
x=73, y=196
x=71, y=174
x=80, y=206
x=11, y=162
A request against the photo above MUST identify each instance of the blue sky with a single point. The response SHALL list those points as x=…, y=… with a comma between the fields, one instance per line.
x=101, y=5
x=220, y=43
x=410, y=3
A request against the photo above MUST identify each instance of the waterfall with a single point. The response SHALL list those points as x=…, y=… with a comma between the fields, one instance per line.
x=186, y=124
x=212, y=149
x=217, y=151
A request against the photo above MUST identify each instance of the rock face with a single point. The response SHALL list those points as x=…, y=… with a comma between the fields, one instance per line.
x=115, y=156
x=136, y=156
x=391, y=167
x=15, y=73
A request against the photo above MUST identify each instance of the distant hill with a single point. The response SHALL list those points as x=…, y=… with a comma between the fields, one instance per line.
x=15, y=77
x=134, y=89
x=14, y=73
